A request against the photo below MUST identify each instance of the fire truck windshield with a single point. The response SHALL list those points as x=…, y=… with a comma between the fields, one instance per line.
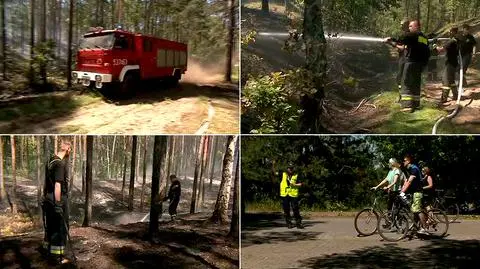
x=98, y=41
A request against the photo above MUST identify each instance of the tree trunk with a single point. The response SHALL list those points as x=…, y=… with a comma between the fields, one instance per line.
x=195, y=177
x=101, y=13
x=214, y=154
x=265, y=7
x=39, y=180
x=72, y=173
x=144, y=171
x=56, y=145
x=4, y=39
x=230, y=41
x=220, y=214
x=70, y=34
x=316, y=64
x=59, y=32
x=201, y=191
x=2, y=182
x=108, y=157
x=88, y=195
x=132, y=173
x=43, y=39
x=159, y=150
x=113, y=158
x=32, y=38
x=171, y=140
x=124, y=165
x=234, y=229
x=13, y=195
x=418, y=10
x=427, y=23
x=84, y=164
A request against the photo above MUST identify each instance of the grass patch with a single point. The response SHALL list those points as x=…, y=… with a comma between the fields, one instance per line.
x=46, y=107
x=419, y=122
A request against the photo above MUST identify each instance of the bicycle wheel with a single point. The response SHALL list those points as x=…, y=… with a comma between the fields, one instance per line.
x=366, y=222
x=437, y=223
x=453, y=212
x=393, y=228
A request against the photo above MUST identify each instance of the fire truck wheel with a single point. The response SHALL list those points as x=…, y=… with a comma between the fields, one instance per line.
x=126, y=87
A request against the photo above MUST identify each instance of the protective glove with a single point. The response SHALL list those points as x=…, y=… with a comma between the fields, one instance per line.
x=402, y=194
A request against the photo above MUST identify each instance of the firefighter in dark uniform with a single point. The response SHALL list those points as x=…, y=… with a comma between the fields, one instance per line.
x=401, y=56
x=174, y=195
x=468, y=44
x=289, y=190
x=55, y=204
x=417, y=54
x=451, y=65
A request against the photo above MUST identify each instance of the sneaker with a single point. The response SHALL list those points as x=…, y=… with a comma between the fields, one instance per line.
x=422, y=231
x=290, y=225
x=300, y=226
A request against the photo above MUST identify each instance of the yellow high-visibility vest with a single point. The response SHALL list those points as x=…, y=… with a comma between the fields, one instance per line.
x=285, y=189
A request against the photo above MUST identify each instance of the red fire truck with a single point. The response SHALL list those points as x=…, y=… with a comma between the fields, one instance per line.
x=110, y=56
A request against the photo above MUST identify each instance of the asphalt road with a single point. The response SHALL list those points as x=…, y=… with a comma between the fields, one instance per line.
x=332, y=242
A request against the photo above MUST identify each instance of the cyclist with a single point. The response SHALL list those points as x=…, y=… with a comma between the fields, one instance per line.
x=395, y=178
x=414, y=185
x=428, y=191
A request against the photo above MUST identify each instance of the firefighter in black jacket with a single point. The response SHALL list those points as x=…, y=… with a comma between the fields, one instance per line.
x=417, y=54
x=468, y=45
x=55, y=204
x=451, y=65
x=174, y=195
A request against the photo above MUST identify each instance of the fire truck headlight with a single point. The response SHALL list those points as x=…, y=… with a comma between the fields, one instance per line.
x=74, y=75
x=98, y=78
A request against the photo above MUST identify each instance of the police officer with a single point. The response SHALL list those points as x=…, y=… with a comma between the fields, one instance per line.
x=55, y=204
x=174, y=195
x=289, y=189
x=451, y=65
x=417, y=54
x=468, y=44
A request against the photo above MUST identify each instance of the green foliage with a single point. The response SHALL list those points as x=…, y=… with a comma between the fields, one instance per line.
x=338, y=172
x=269, y=98
x=44, y=54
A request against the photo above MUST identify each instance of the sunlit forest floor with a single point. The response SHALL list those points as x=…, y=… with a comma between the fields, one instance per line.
x=361, y=91
x=117, y=238
x=153, y=108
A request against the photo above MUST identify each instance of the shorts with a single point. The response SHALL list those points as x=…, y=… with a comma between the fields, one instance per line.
x=417, y=202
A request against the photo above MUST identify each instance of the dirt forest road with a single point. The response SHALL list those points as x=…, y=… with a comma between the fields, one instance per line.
x=332, y=242
x=187, y=108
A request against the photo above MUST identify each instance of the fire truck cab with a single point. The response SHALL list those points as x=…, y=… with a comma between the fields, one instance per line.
x=109, y=56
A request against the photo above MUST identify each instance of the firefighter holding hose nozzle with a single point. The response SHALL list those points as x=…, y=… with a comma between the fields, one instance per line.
x=417, y=54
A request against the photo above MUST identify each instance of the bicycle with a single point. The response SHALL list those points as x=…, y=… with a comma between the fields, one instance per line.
x=368, y=216
x=400, y=222
x=439, y=203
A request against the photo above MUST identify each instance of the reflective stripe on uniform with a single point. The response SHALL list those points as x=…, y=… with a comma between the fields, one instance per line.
x=407, y=97
x=58, y=250
x=422, y=40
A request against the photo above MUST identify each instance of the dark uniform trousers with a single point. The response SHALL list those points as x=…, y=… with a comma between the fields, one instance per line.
x=293, y=201
x=54, y=224
x=448, y=82
x=412, y=78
